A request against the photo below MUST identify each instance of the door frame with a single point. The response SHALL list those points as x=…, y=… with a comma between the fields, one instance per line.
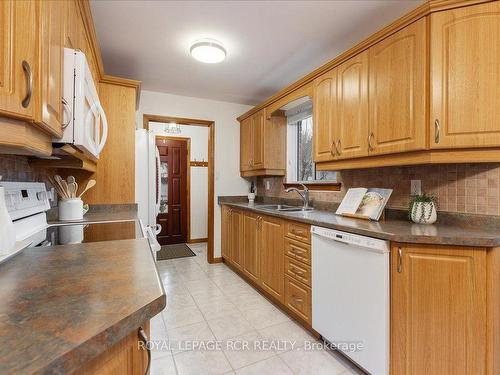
x=147, y=118
x=188, y=177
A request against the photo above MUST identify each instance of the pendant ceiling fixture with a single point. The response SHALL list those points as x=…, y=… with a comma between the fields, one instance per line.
x=172, y=128
x=209, y=51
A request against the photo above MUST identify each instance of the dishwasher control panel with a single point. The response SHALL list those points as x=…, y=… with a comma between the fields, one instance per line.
x=352, y=239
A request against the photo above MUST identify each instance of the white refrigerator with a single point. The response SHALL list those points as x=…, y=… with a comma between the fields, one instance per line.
x=147, y=161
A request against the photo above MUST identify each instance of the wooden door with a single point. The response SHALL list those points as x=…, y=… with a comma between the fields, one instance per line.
x=246, y=144
x=173, y=195
x=438, y=310
x=235, y=235
x=465, y=77
x=272, y=256
x=351, y=128
x=258, y=134
x=398, y=91
x=324, y=112
x=251, y=256
x=50, y=82
x=17, y=47
x=226, y=233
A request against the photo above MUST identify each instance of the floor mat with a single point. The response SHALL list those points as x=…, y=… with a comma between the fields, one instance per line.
x=178, y=250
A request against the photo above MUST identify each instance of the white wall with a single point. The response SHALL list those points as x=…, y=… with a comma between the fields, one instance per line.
x=227, y=139
x=199, y=175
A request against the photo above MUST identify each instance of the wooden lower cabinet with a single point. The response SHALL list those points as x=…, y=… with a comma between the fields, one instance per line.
x=271, y=243
x=251, y=256
x=125, y=358
x=225, y=232
x=438, y=310
x=298, y=299
x=236, y=234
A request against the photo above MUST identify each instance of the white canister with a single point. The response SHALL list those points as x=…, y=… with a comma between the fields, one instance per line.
x=70, y=209
x=7, y=230
x=423, y=213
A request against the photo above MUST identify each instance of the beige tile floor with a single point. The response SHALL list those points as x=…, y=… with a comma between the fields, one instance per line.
x=209, y=305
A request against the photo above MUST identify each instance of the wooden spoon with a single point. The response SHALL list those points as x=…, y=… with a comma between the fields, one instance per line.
x=72, y=189
x=64, y=190
x=90, y=185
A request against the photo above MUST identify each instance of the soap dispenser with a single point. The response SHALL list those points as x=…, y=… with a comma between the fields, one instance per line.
x=7, y=231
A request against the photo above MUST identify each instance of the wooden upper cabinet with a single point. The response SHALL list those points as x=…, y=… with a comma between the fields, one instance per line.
x=246, y=144
x=438, y=310
x=324, y=110
x=272, y=258
x=398, y=91
x=50, y=78
x=17, y=58
x=465, y=77
x=258, y=137
x=73, y=27
x=351, y=125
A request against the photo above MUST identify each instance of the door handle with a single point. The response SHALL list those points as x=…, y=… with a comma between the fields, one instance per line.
x=331, y=148
x=370, y=138
x=338, y=147
x=68, y=110
x=29, y=83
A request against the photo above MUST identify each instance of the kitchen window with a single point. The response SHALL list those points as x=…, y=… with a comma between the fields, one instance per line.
x=300, y=164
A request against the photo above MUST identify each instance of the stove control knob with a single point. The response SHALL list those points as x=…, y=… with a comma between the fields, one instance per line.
x=41, y=195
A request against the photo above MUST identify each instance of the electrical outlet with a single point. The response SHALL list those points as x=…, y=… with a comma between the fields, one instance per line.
x=268, y=185
x=416, y=187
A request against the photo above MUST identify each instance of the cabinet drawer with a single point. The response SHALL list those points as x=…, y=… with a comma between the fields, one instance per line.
x=298, y=250
x=298, y=298
x=298, y=231
x=298, y=270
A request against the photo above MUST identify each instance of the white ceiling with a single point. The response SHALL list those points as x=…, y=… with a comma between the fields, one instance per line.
x=270, y=44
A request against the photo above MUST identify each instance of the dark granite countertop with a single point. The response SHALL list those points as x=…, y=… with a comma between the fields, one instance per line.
x=396, y=230
x=63, y=305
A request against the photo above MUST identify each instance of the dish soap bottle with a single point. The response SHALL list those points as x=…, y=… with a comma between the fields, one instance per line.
x=7, y=231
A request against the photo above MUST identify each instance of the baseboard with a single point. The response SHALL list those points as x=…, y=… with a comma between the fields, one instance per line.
x=216, y=260
x=197, y=240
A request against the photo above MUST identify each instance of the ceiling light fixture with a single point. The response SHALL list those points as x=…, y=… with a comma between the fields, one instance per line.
x=172, y=128
x=209, y=51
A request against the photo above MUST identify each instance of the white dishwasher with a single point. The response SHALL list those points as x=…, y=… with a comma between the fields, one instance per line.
x=350, y=295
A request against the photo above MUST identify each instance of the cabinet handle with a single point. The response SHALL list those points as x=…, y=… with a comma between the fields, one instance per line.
x=437, y=129
x=296, y=251
x=68, y=110
x=400, y=260
x=338, y=147
x=370, y=138
x=297, y=272
x=331, y=148
x=29, y=84
x=144, y=340
x=297, y=299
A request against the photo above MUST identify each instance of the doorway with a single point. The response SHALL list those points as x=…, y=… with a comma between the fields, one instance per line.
x=147, y=118
x=174, y=182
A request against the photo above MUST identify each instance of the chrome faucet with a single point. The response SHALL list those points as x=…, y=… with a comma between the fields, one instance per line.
x=304, y=194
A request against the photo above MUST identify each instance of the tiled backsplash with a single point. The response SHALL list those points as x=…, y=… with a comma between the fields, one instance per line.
x=17, y=168
x=465, y=188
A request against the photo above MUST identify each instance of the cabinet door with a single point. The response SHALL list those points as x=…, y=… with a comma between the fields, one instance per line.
x=251, y=258
x=398, y=91
x=235, y=235
x=438, y=310
x=351, y=127
x=324, y=110
x=465, y=76
x=73, y=27
x=50, y=88
x=272, y=258
x=246, y=144
x=258, y=134
x=226, y=232
x=17, y=48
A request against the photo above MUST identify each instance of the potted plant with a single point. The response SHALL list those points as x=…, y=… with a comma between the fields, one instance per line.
x=422, y=209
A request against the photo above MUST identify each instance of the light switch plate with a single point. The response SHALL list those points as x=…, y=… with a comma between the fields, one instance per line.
x=268, y=185
x=416, y=187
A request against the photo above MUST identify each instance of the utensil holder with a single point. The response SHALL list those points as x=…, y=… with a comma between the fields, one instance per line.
x=70, y=209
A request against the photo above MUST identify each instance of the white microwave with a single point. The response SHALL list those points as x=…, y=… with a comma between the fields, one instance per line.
x=84, y=124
